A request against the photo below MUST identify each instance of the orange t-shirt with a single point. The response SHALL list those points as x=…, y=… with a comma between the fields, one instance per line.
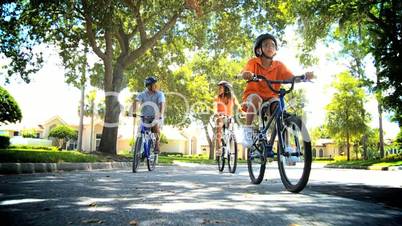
x=224, y=106
x=277, y=71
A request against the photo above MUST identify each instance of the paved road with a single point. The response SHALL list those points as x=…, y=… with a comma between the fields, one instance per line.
x=199, y=195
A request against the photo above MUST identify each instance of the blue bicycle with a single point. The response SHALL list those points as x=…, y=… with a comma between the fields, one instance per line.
x=144, y=148
x=293, y=151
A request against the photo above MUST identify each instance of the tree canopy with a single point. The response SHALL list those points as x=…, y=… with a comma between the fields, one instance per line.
x=344, y=118
x=122, y=33
x=9, y=110
x=363, y=27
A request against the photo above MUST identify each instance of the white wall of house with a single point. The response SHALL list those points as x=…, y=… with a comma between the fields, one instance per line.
x=175, y=146
x=19, y=140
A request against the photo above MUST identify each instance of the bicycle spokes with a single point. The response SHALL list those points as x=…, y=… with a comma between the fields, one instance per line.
x=295, y=156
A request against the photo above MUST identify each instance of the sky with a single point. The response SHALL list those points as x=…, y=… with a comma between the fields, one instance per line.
x=48, y=95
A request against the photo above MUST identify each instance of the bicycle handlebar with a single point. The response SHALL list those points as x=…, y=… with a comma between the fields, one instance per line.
x=300, y=78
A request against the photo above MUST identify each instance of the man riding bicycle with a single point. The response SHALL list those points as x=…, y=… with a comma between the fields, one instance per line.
x=255, y=93
x=152, y=103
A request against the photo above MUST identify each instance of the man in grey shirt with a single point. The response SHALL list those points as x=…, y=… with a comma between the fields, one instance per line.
x=152, y=107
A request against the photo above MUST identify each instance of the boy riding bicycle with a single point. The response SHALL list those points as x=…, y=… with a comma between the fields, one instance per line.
x=152, y=107
x=255, y=93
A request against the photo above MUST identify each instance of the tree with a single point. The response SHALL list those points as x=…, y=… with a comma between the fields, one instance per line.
x=29, y=133
x=123, y=32
x=344, y=119
x=89, y=111
x=295, y=102
x=366, y=26
x=9, y=110
x=63, y=134
x=398, y=140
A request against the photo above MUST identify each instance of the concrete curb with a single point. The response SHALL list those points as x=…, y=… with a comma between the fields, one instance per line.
x=18, y=168
x=382, y=168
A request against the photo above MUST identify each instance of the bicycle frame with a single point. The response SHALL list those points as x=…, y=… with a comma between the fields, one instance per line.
x=148, y=139
x=227, y=129
x=290, y=146
x=277, y=115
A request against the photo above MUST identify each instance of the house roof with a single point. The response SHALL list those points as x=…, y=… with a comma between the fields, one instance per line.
x=323, y=142
x=56, y=117
x=20, y=126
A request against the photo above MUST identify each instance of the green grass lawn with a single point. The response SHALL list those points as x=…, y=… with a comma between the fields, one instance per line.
x=46, y=156
x=169, y=158
x=364, y=163
x=52, y=155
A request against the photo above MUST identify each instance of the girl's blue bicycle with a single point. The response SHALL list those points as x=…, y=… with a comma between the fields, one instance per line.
x=293, y=151
x=144, y=147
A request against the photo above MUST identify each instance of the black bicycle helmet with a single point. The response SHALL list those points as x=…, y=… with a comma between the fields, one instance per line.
x=150, y=80
x=260, y=39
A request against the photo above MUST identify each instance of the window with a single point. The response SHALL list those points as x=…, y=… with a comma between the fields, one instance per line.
x=98, y=139
x=16, y=133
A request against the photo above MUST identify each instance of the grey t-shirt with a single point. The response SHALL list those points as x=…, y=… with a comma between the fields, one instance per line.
x=150, y=102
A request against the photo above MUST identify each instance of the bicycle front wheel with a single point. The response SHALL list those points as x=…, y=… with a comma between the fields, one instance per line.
x=137, y=153
x=256, y=162
x=295, y=158
x=151, y=160
x=232, y=154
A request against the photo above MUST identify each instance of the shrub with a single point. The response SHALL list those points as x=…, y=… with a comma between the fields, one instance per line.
x=29, y=133
x=10, y=111
x=4, y=141
x=50, y=148
x=171, y=154
x=394, y=157
x=340, y=158
x=63, y=133
x=323, y=159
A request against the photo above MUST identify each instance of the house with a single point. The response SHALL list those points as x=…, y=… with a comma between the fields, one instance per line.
x=326, y=148
x=186, y=141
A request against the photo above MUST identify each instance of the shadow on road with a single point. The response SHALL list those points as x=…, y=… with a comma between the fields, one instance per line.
x=389, y=197
x=176, y=196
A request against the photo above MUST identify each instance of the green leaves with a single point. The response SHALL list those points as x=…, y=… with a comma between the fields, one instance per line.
x=63, y=132
x=363, y=28
x=9, y=109
x=345, y=113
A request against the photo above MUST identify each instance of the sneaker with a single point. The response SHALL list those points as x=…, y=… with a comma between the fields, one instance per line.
x=247, y=137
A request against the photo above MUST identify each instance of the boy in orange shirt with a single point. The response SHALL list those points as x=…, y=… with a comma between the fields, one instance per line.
x=255, y=93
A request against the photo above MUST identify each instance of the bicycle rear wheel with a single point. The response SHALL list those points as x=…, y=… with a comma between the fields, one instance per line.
x=151, y=160
x=220, y=159
x=256, y=162
x=138, y=147
x=295, y=158
x=232, y=154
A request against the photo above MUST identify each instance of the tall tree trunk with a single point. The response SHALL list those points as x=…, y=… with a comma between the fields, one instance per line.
x=111, y=122
x=365, y=157
x=92, y=126
x=356, y=149
x=381, y=130
x=210, y=142
x=81, y=125
x=347, y=145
